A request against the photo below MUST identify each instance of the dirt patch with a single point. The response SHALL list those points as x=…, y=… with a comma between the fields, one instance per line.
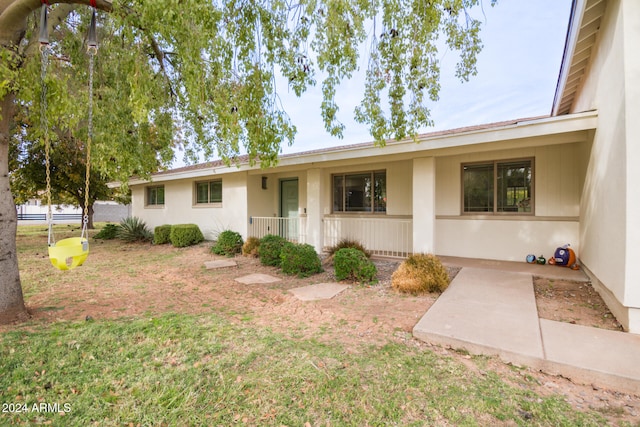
x=572, y=302
x=120, y=280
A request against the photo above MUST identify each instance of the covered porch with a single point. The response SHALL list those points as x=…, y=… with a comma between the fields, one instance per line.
x=389, y=237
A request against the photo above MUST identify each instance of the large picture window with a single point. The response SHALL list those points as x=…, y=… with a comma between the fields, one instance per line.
x=498, y=187
x=360, y=192
x=155, y=195
x=209, y=192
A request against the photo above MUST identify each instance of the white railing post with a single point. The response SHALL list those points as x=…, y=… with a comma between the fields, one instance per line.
x=292, y=229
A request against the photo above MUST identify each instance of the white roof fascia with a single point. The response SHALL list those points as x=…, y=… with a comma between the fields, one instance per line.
x=425, y=143
x=196, y=173
x=575, y=21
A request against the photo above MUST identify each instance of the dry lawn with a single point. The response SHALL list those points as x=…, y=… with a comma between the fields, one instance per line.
x=133, y=280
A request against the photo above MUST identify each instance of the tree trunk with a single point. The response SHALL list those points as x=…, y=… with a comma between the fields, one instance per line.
x=13, y=24
x=11, y=300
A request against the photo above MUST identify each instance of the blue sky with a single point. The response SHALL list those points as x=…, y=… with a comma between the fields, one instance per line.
x=517, y=74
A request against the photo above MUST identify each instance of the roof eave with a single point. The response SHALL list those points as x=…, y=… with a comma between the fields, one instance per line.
x=573, y=29
x=505, y=131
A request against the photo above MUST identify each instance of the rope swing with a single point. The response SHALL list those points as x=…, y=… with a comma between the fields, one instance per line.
x=71, y=252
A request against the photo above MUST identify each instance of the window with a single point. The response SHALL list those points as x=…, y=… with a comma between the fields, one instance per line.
x=209, y=192
x=155, y=195
x=361, y=192
x=498, y=187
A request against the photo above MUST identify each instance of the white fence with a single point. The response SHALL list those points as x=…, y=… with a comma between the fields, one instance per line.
x=392, y=237
x=292, y=229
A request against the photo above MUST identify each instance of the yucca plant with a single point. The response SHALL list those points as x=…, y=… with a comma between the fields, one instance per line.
x=133, y=229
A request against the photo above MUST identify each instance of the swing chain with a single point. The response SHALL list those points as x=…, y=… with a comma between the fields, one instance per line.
x=44, y=50
x=91, y=51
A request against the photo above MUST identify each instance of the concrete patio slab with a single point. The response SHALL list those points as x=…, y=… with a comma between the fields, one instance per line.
x=548, y=271
x=220, y=263
x=493, y=311
x=318, y=291
x=592, y=354
x=489, y=312
x=257, y=278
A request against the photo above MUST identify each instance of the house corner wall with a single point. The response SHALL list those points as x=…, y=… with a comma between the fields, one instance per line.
x=631, y=14
x=610, y=209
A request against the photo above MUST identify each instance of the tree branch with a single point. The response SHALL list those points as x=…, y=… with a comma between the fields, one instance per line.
x=14, y=14
x=159, y=53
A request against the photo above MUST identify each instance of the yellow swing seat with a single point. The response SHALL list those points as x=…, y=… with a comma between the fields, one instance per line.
x=69, y=253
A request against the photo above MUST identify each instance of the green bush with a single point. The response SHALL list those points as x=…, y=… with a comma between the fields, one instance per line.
x=352, y=264
x=110, y=231
x=161, y=234
x=270, y=248
x=348, y=243
x=185, y=235
x=229, y=243
x=251, y=247
x=133, y=229
x=420, y=273
x=300, y=259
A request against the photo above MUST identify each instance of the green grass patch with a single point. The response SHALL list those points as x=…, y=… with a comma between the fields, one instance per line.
x=205, y=370
x=106, y=258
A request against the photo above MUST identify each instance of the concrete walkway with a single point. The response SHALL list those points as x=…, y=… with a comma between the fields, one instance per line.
x=493, y=311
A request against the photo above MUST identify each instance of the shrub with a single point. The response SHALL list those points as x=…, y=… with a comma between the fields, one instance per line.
x=352, y=264
x=229, y=243
x=270, y=248
x=420, y=273
x=133, y=229
x=161, y=234
x=110, y=231
x=185, y=235
x=300, y=259
x=251, y=247
x=348, y=243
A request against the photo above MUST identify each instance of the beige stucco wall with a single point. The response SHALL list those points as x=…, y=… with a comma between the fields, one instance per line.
x=610, y=209
x=559, y=176
x=558, y=180
x=503, y=239
x=424, y=203
x=399, y=184
x=266, y=203
x=631, y=12
x=262, y=202
x=179, y=207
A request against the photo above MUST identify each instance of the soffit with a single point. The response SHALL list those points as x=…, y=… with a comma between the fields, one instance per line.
x=586, y=17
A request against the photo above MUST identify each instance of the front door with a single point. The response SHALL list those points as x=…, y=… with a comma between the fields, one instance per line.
x=289, y=208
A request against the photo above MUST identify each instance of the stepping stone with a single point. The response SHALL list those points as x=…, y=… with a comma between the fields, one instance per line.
x=318, y=291
x=253, y=279
x=220, y=263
